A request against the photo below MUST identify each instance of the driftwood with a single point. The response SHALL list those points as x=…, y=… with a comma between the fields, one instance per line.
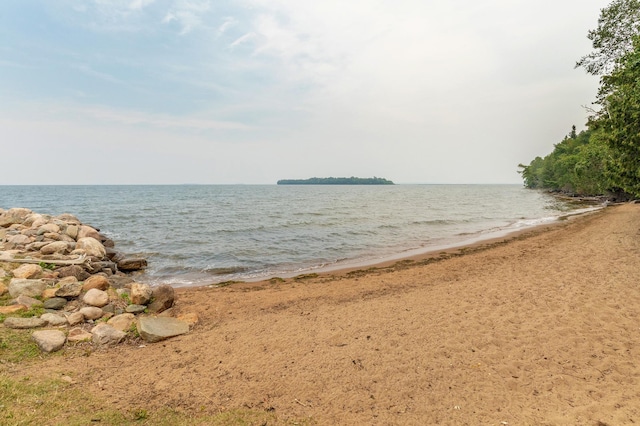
x=79, y=261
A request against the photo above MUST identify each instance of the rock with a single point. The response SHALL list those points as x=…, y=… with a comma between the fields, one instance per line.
x=32, y=288
x=122, y=322
x=69, y=290
x=91, y=247
x=119, y=281
x=78, y=335
x=3, y=289
x=140, y=293
x=19, y=240
x=91, y=312
x=27, y=271
x=73, y=271
x=162, y=298
x=95, y=297
x=96, y=281
x=58, y=247
x=54, y=320
x=49, y=293
x=85, y=231
x=49, y=340
x=48, y=228
x=72, y=231
x=155, y=329
x=55, y=303
x=21, y=323
x=67, y=280
x=135, y=309
x=104, y=334
x=132, y=264
x=75, y=318
x=12, y=309
x=29, y=302
x=68, y=218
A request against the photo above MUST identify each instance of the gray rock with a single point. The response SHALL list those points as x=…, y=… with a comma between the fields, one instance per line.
x=69, y=290
x=54, y=320
x=140, y=293
x=104, y=334
x=20, y=323
x=73, y=271
x=135, y=309
x=19, y=240
x=162, y=298
x=155, y=329
x=49, y=340
x=48, y=228
x=119, y=281
x=31, y=288
x=132, y=264
x=95, y=297
x=91, y=312
x=56, y=303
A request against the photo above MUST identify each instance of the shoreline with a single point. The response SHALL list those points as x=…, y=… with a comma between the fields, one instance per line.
x=418, y=255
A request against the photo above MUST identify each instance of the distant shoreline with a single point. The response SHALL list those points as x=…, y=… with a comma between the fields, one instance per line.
x=336, y=181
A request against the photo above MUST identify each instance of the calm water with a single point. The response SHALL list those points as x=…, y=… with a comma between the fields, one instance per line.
x=202, y=234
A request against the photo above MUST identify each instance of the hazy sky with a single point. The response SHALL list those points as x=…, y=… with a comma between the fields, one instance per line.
x=252, y=91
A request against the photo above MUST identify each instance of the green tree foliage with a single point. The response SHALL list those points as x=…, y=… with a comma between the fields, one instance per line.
x=619, y=120
x=617, y=25
x=577, y=165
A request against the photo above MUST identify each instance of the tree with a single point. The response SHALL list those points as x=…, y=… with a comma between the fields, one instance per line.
x=619, y=119
x=618, y=24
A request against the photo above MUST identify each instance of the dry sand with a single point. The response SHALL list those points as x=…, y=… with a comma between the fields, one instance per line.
x=543, y=329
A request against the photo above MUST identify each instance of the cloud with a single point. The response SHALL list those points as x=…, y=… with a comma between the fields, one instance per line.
x=228, y=23
x=189, y=14
x=140, y=4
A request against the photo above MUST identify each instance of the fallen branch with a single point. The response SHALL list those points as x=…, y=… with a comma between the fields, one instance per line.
x=81, y=260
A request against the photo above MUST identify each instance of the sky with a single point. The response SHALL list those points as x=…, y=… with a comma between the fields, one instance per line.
x=252, y=91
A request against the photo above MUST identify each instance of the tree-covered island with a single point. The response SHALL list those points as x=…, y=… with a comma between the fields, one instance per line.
x=603, y=160
x=336, y=181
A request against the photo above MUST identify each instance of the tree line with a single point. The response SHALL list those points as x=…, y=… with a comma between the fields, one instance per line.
x=604, y=159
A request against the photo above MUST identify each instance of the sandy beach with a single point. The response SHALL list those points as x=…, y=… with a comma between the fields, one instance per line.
x=541, y=328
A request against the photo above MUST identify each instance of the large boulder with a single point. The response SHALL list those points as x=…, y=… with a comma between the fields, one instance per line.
x=155, y=329
x=122, y=322
x=69, y=290
x=88, y=232
x=31, y=288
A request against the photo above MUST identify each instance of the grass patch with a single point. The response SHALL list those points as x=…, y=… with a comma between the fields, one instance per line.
x=17, y=346
x=29, y=401
x=305, y=277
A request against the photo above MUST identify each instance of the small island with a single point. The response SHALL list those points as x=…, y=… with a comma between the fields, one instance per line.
x=336, y=181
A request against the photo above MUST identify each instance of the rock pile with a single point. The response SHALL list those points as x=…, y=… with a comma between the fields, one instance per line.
x=72, y=273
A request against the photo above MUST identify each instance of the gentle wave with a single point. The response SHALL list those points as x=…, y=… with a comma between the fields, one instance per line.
x=194, y=235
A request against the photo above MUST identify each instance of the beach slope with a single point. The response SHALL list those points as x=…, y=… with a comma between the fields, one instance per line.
x=542, y=329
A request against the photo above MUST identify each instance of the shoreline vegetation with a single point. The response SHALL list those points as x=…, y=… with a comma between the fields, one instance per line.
x=604, y=159
x=455, y=319
x=336, y=181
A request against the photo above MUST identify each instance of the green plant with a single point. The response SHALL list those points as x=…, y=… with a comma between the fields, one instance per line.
x=49, y=266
